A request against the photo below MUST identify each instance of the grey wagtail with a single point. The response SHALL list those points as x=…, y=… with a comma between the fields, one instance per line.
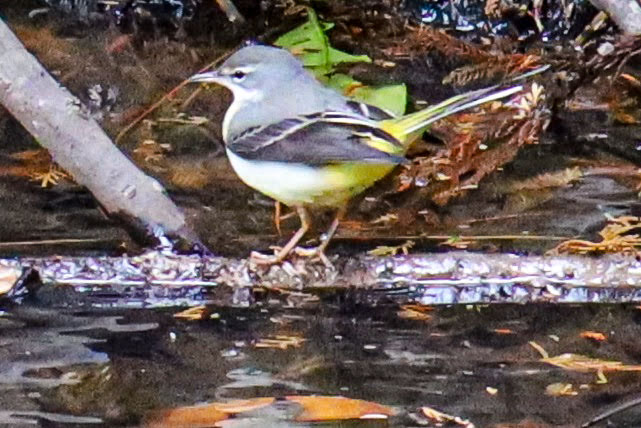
x=305, y=145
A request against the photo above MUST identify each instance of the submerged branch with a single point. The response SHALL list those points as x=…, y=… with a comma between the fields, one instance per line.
x=453, y=277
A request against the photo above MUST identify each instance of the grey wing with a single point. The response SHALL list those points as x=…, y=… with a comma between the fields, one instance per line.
x=316, y=140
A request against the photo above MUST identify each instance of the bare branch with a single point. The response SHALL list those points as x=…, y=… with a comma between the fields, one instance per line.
x=76, y=142
x=625, y=13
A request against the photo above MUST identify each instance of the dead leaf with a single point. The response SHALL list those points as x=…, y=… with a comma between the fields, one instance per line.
x=581, y=363
x=206, y=415
x=458, y=242
x=196, y=313
x=560, y=389
x=616, y=237
x=440, y=417
x=539, y=349
x=323, y=408
x=594, y=335
x=280, y=342
x=415, y=312
x=186, y=417
x=384, y=250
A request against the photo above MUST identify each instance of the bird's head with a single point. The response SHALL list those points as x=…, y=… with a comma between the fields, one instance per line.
x=269, y=85
x=254, y=71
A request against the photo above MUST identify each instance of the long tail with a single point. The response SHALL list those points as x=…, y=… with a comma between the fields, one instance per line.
x=409, y=127
x=414, y=124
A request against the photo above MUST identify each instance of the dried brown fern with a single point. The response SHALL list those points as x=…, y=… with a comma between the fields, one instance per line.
x=36, y=165
x=476, y=144
x=483, y=64
x=497, y=67
x=424, y=39
x=616, y=237
x=498, y=9
x=493, y=8
x=547, y=180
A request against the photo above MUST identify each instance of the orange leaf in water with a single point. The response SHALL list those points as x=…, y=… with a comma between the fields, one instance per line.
x=594, y=335
x=196, y=313
x=190, y=416
x=415, y=312
x=633, y=81
x=206, y=415
x=321, y=408
x=240, y=406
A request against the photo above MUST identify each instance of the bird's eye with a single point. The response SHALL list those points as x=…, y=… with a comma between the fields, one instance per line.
x=238, y=75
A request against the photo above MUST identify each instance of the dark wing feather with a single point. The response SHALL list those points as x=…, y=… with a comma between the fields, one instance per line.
x=369, y=111
x=319, y=139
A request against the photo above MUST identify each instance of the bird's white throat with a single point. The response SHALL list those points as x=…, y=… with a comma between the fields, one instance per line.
x=242, y=98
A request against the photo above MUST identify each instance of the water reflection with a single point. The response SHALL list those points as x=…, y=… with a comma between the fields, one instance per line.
x=72, y=367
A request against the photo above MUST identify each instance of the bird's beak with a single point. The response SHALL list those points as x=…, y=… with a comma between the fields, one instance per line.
x=209, y=77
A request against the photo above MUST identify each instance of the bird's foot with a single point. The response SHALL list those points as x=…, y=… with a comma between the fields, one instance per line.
x=315, y=253
x=265, y=259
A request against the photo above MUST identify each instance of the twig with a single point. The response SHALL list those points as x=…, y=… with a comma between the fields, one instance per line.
x=166, y=97
x=231, y=11
x=53, y=242
x=617, y=409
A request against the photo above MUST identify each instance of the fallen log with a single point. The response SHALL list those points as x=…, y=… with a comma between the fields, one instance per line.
x=158, y=278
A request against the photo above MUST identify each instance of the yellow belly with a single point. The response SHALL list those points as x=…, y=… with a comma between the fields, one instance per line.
x=298, y=184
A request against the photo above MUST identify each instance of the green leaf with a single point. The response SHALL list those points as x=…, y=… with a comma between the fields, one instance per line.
x=392, y=98
x=309, y=42
x=336, y=57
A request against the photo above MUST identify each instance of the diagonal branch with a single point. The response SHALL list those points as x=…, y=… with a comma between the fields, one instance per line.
x=76, y=142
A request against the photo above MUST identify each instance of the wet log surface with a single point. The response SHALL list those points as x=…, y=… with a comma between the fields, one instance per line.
x=157, y=278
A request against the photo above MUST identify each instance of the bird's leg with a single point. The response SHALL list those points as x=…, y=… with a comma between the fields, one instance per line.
x=331, y=231
x=305, y=223
x=278, y=217
x=320, y=250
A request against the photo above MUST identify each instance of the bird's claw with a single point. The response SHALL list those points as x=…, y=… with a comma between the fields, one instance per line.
x=315, y=253
x=276, y=249
x=310, y=253
x=264, y=259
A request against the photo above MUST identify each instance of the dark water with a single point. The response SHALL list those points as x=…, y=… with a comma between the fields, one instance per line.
x=69, y=362
x=93, y=367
